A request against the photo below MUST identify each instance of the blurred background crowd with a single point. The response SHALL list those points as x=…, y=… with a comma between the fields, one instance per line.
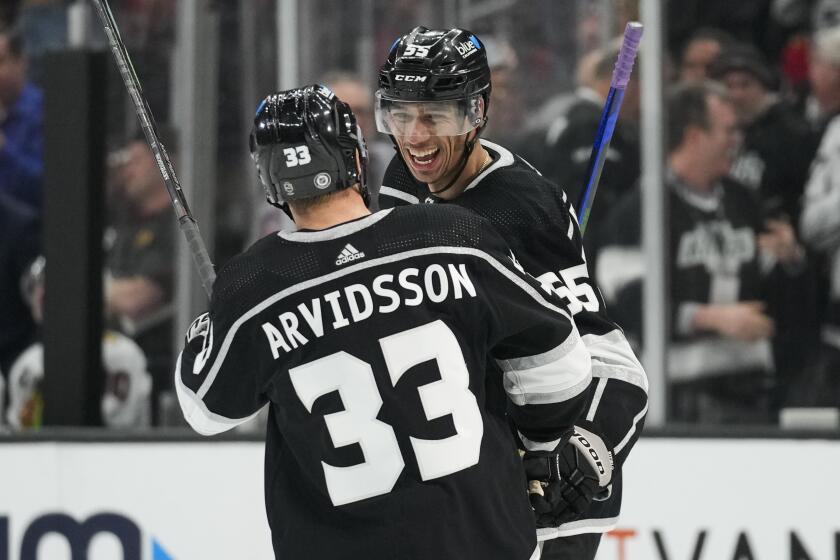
x=752, y=176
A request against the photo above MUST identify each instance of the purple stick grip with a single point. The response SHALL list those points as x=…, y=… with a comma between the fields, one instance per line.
x=627, y=55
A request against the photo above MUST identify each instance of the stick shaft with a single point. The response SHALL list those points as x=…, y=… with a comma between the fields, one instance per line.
x=609, y=116
x=186, y=222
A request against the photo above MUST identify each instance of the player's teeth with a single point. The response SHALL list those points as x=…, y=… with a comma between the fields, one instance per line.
x=425, y=156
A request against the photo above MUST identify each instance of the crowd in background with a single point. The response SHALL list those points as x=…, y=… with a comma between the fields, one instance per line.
x=752, y=183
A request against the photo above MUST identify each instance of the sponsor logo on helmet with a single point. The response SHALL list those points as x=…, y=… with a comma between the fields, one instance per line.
x=322, y=180
x=466, y=48
x=289, y=188
x=409, y=78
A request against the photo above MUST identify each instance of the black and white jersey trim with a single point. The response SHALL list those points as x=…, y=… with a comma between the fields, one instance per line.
x=636, y=419
x=601, y=525
x=552, y=377
x=197, y=415
x=613, y=358
x=505, y=159
x=538, y=445
x=228, y=340
x=396, y=193
x=334, y=232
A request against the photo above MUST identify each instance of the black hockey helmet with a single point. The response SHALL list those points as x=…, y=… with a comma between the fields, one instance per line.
x=304, y=144
x=428, y=65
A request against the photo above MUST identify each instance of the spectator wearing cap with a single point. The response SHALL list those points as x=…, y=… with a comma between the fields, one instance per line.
x=777, y=146
x=776, y=151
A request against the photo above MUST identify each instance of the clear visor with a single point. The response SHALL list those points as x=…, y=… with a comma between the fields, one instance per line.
x=431, y=118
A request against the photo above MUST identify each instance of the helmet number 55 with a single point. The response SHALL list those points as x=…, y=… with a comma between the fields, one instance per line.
x=357, y=423
x=416, y=50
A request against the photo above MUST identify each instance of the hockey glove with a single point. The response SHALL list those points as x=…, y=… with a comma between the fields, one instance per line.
x=564, y=481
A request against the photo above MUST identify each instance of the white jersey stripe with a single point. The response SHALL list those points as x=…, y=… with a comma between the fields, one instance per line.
x=539, y=445
x=505, y=159
x=196, y=413
x=553, y=382
x=395, y=193
x=548, y=377
x=613, y=358
x=510, y=275
x=529, y=362
x=578, y=527
x=342, y=230
x=596, y=399
x=626, y=439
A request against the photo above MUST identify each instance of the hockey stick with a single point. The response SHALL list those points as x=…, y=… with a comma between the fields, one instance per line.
x=186, y=222
x=620, y=77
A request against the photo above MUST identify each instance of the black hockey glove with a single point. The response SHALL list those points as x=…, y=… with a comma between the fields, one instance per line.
x=564, y=481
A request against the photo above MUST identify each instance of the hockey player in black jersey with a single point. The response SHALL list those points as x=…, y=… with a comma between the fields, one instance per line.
x=433, y=100
x=367, y=336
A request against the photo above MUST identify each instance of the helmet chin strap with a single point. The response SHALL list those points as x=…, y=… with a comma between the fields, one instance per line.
x=468, y=148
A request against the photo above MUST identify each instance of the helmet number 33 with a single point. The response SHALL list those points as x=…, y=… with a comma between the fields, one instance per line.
x=298, y=155
x=358, y=423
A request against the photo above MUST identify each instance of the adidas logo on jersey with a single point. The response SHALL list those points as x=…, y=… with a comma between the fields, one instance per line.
x=349, y=253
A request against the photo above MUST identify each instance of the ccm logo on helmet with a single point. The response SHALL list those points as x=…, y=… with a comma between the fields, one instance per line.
x=406, y=78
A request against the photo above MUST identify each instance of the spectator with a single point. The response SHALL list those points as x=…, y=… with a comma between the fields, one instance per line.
x=719, y=360
x=778, y=146
x=125, y=402
x=506, y=106
x=701, y=49
x=824, y=76
x=820, y=223
x=359, y=96
x=19, y=245
x=773, y=163
x=563, y=156
x=138, y=296
x=21, y=124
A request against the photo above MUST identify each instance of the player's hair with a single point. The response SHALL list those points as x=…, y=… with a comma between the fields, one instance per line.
x=688, y=105
x=308, y=204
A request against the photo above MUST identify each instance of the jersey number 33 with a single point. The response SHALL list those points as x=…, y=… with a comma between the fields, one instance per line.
x=357, y=423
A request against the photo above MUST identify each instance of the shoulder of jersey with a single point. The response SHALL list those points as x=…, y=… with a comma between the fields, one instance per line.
x=517, y=182
x=243, y=274
x=437, y=220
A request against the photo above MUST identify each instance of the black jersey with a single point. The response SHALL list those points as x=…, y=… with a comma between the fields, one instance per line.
x=387, y=438
x=713, y=259
x=536, y=219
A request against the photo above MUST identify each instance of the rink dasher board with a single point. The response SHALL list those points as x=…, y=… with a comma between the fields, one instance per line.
x=194, y=499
